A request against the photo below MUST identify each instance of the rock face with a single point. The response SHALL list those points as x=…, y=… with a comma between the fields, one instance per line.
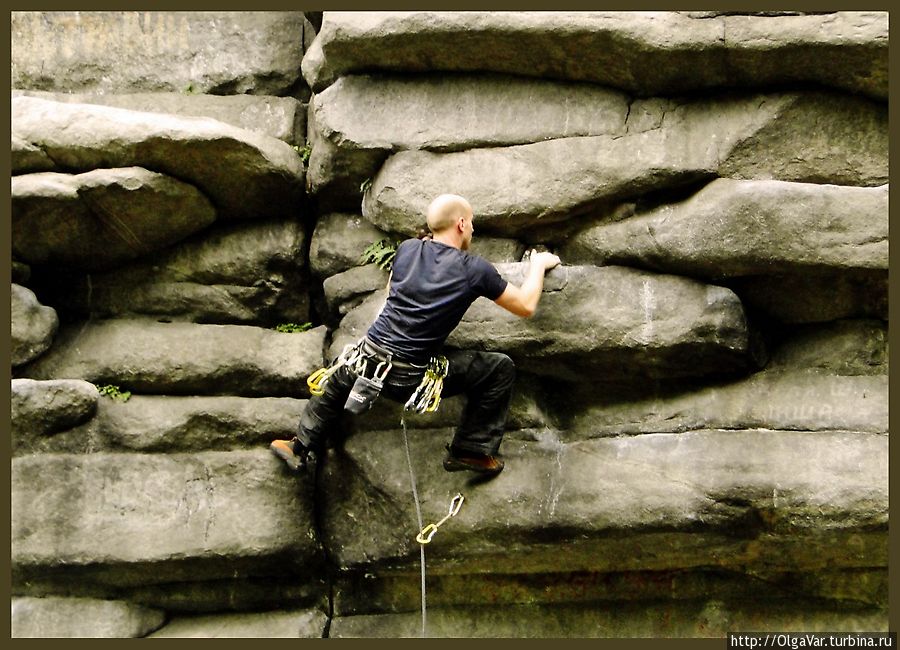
x=278, y=117
x=697, y=441
x=642, y=52
x=46, y=407
x=250, y=273
x=33, y=326
x=244, y=174
x=81, y=618
x=199, y=359
x=102, y=218
x=217, y=52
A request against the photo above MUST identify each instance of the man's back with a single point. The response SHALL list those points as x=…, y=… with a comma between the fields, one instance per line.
x=432, y=286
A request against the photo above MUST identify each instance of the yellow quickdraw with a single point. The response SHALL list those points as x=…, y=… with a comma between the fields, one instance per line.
x=317, y=380
x=427, y=396
x=425, y=535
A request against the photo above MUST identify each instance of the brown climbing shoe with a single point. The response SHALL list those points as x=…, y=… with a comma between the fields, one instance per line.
x=284, y=449
x=458, y=461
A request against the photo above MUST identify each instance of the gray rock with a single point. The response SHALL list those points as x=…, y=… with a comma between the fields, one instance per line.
x=740, y=228
x=137, y=519
x=81, y=618
x=359, y=120
x=347, y=290
x=786, y=136
x=851, y=347
x=102, y=218
x=497, y=249
x=29, y=156
x=217, y=52
x=815, y=296
x=244, y=174
x=33, y=326
x=243, y=273
x=219, y=596
x=701, y=618
x=643, y=52
x=732, y=499
x=338, y=243
x=786, y=399
x=283, y=118
x=174, y=424
x=40, y=408
x=184, y=358
x=305, y=624
x=617, y=321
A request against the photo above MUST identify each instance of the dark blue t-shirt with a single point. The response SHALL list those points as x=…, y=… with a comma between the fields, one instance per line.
x=432, y=286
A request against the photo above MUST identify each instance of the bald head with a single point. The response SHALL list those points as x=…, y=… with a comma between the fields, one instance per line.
x=445, y=211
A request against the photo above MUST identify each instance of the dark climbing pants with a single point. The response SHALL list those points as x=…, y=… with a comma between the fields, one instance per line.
x=486, y=378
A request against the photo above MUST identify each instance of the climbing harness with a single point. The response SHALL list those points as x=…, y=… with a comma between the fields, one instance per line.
x=350, y=355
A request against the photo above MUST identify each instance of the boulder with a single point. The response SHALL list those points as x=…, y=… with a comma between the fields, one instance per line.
x=108, y=52
x=747, y=228
x=703, y=618
x=645, y=53
x=249, y=272
x=167, y=423
x=40, y=408
x=347, y=290
x=244, y=174
x=617, y=321
x=338, y=242
x=792, y=136
x=29, y=156
x=305, y=624
x=102, y=218
x=81, y=618
x=283, y=118
x=730, y=499
x=184, y=358
x=359, y=120
x=785, y=399
x=138, y=519
x=33, y=326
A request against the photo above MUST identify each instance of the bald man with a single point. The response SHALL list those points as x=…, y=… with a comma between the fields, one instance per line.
x=432, y=284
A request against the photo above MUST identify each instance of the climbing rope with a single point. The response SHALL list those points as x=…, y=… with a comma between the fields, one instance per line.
x=412, y=480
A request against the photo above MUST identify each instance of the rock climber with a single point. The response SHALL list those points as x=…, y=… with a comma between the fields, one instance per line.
x=433, y=282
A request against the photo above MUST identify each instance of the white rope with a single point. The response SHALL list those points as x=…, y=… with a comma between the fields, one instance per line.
x=412, y=480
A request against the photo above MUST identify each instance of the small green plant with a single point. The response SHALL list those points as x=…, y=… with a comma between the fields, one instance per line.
x=290, y=328
x=365, y=185
x=114, y=392
x=303, y=152
x=189, y=89
x=381, y=252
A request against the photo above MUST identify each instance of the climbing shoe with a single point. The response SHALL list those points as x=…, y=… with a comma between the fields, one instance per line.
x=284, y=449
x=458, y=461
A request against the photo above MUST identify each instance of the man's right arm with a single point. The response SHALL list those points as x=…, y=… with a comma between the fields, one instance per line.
x=522, y=301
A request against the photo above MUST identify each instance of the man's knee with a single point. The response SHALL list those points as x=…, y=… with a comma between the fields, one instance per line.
x=502, y=367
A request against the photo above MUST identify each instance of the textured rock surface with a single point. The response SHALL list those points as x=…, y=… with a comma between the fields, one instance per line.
x=81, y=618
x=739, y=228
x=643, y=52
x=615, y=320
x=359, y=120
x=243, y=273
x=309, y=624
x=126, y=519
x=729, y=499
x=219, y=52
x=702, y=618
x=283, y=118
x=338, y=242
x=199, y=359
x=45, y=407
x=786, y=136
x=102, y=218
x=244, y=174
x=33, y=326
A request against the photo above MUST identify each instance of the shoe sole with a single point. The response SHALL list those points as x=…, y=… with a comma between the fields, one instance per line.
x=287, y=455
x=452, y=465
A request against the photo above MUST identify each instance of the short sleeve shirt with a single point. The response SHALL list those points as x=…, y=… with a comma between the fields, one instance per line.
x=432, y=286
